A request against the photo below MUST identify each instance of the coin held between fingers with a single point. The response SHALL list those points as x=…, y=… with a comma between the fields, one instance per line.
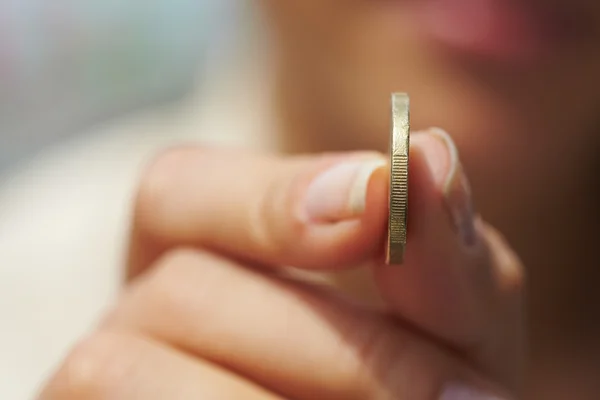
x=398, y=193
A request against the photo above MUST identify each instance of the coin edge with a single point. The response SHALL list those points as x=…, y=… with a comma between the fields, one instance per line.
x=398, y=184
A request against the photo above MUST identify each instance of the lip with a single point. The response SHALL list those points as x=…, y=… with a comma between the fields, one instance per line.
x=511, y=31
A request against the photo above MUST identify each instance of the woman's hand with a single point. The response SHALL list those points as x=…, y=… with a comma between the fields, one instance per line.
x=212, y=310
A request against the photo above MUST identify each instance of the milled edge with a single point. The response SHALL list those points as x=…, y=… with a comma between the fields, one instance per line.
x=398, y=194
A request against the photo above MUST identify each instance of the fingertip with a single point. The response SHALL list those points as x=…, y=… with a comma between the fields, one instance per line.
x=440, y=176
x=509, y=271
x=354, y=228
x=340, y=192
x=436, y=286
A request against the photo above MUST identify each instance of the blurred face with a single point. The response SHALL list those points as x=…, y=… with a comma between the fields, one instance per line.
x=516, y=82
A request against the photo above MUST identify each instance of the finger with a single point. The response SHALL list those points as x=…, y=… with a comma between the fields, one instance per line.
x=460, y=282
x=299, y=342
x=119, y=366
x=308, y=211
x=329, y=211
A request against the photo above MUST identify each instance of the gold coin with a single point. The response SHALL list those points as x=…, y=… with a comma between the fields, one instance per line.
x=398, y=195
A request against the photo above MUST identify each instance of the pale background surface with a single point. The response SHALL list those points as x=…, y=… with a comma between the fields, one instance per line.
x=67, y=63
x=64, y=208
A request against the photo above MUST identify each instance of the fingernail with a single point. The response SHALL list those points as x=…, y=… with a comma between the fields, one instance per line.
x=462, y=392
x=340, y=192
x=456, y=189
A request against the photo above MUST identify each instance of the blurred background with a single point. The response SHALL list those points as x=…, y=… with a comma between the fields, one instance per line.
x=66, y=64
x=74, y=74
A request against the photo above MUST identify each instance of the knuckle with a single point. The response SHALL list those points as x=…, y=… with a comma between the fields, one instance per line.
x=375, y=347
x=399, y=365
x=182, y=267
x=373, y=353
x=166, y=287
x=96, y=367
x=152, y=203
x=180, y=279
x=157, y=175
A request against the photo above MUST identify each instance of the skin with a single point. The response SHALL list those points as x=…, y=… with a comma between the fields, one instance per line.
x=529, y=135
x=197, y=322
x=178, y=330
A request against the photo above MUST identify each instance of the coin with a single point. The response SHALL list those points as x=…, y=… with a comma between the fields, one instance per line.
x=398, y=194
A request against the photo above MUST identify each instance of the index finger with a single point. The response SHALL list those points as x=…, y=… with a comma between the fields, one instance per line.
x=312, y=212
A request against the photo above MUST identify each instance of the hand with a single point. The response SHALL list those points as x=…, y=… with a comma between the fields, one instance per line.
x=210, y=311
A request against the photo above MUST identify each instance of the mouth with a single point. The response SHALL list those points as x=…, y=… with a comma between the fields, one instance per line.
x=513, y=31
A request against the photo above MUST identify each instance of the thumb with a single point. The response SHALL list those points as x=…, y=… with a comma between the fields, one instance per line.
x=460, y=282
